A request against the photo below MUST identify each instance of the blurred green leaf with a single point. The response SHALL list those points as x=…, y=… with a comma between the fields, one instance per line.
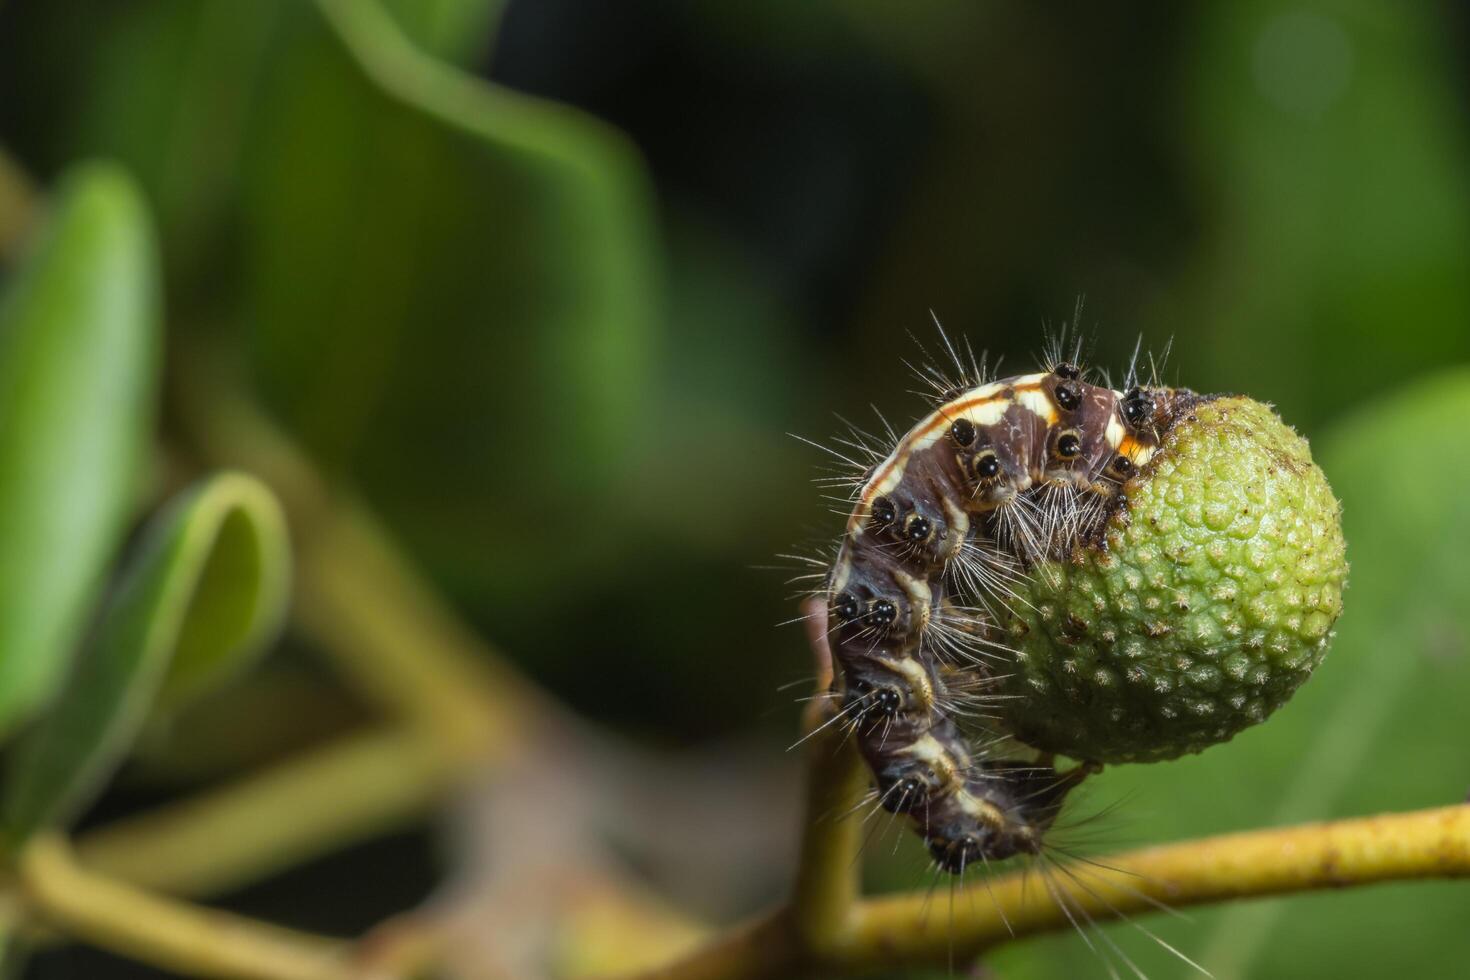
x=453, y=295
x=205, y=592
x=459, y=31
x=1381, y=727
x=451, y=292
x=78, y=352
x=1330, y=138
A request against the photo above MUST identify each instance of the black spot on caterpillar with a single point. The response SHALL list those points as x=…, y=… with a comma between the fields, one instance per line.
x=1000, y=476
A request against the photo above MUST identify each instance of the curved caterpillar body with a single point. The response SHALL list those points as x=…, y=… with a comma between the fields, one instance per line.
x=998, y=477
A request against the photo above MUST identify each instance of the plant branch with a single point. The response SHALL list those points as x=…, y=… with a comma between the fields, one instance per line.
x=765, y=947
x=902, y=931
x=349, y=791
x=1339, y=854
x=166, y=933
x=362, y=603
x=828, y=872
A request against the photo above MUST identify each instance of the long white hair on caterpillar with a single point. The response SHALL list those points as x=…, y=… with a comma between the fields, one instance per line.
x=944, y=525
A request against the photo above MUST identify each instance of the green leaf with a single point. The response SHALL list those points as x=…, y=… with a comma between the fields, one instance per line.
x=458, y=31
x=205, y=592
x=496, y=257
x=78, y=361
x=451, y=292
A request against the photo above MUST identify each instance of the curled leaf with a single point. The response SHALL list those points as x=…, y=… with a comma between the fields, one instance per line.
x=205, y=592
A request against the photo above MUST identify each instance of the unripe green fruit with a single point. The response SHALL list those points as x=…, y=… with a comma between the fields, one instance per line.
x=1213, y=598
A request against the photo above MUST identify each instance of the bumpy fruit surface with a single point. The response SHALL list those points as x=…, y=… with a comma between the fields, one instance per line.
x=1212, y=600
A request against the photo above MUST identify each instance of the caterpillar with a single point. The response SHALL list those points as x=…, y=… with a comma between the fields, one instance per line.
x=1001, y=476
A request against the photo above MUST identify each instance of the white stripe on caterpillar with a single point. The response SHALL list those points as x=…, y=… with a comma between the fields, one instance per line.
x=995, y=478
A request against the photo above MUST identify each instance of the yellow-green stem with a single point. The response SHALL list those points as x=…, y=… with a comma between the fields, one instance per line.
x=1339, y=854
x=389, y=633
x=827, y=880
x=164, y=932
x=901, y=932
x=828, y=871
x=321, y=801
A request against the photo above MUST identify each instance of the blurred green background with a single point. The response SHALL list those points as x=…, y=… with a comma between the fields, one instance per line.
x=556, y=328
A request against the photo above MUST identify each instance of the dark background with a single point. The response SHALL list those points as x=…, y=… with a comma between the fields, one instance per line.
x=568, y=386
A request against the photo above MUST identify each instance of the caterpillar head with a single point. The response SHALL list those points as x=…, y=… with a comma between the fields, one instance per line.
x=1207, y=598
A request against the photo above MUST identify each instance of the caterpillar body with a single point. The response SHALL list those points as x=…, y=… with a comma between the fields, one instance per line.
x=1001, y=476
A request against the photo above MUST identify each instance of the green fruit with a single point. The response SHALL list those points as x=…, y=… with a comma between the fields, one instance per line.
x=1212, y=600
